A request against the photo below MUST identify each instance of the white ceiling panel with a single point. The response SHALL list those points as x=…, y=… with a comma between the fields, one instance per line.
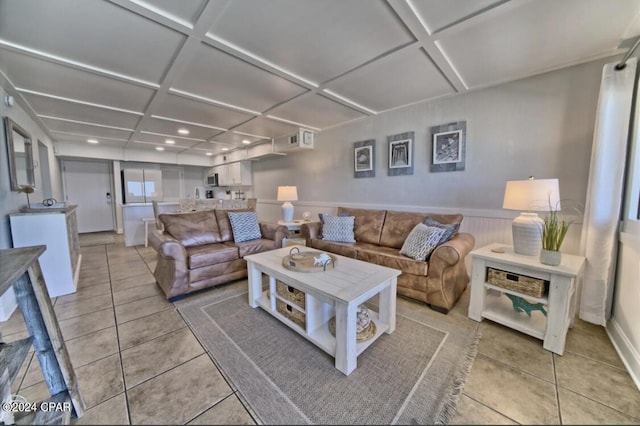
x=137, y=144
x=171, y=128
x=66, y=137
x=86, y=130
x=234, y=138
x=219, y=76
x=184, y=109
x=78, y=112
x=204, y=147
x=316, y=111
x=535, y=37
x=47, y=77
x=437, y=14
x=183, y=11
x=262, y=126
x=92, y=32
x=409, y=76
x=161, y=140
x=314, y=39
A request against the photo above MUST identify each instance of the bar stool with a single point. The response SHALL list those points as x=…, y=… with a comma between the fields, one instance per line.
x=146, y=221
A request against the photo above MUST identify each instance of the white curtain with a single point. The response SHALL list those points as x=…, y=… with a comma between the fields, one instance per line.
x=605, y=191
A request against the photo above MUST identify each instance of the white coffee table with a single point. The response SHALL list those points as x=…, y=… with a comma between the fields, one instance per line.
x=339, y=290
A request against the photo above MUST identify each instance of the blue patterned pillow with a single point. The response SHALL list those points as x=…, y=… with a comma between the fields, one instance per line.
x=421, y=241
x=244, y=226
x=338, y=228
x=449, y=229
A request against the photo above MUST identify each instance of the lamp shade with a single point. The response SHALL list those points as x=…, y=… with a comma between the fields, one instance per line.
x=287, y=193
x=532, y=195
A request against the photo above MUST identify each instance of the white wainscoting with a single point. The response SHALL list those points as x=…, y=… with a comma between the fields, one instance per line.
x=487, y=226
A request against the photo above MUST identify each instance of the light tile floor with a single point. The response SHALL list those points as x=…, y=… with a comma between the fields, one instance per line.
x=137, y=362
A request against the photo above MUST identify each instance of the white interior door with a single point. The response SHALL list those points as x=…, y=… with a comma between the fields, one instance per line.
x=88, y=184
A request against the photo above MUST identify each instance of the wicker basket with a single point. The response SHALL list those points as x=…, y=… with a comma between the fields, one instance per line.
x=530, y=286
x=291, y=294
x=299, y=318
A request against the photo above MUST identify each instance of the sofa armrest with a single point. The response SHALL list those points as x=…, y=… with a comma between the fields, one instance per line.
x=167, y=246
x=310, y=231
x=454, y=250
x=273, y=231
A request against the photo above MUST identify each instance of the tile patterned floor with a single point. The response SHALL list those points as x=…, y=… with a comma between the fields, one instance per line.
x=137, y=362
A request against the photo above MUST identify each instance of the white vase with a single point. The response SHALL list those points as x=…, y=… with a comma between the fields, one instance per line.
x=550, y=257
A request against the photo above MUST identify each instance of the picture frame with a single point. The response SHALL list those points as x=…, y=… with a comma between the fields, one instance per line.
x=400, y=154
x=448, y=144
x=446, y=147
x=364, y=159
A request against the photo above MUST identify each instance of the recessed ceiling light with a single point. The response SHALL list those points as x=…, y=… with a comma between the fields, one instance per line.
x=209, y=153
x=170, y=141
x=92, y=140
x=246, y=141
x=159, y=148
x=183, y=131
x=225, y=149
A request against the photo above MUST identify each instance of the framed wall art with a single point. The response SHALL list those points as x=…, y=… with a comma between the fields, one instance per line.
x=364, y=158
x=400, y=154
x=448, y=142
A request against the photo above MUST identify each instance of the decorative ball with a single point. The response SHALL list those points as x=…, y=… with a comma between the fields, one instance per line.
x=363, y=319
x=306, y=215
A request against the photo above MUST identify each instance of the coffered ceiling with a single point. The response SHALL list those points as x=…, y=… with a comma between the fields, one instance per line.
x=130, y=73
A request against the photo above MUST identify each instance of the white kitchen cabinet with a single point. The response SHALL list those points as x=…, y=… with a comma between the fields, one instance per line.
x=234, y=174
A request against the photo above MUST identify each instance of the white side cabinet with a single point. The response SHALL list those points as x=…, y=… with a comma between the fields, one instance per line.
x=58, y=230
x=490, y=301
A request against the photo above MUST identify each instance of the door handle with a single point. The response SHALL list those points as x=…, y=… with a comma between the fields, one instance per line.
x=108, y=198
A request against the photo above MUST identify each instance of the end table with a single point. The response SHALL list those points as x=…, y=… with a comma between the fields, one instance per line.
x=487, y=300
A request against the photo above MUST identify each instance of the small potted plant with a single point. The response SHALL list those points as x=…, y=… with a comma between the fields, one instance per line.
x=553, y=233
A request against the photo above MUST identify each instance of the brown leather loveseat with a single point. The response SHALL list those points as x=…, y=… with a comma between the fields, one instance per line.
x=380, y=234
x=196, y=250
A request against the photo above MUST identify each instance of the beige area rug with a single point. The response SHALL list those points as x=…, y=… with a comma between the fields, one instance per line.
x=97, y=238
x=413, y=376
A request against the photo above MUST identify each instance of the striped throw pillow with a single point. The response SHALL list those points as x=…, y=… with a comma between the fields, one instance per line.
x=338, y=228
x=244, y=226
x=422, y=240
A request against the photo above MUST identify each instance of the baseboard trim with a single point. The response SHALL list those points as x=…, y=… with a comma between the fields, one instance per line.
x=628, y=354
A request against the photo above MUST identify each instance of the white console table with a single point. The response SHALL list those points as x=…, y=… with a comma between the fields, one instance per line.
x=57, y=229
x=487, y=300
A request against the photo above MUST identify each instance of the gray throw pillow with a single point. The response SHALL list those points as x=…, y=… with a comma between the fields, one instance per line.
x=338, y=228
x=422, y=240
x=450, y=229
x=244, y=226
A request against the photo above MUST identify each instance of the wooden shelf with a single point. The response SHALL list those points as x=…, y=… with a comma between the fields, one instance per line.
x=12, y=355
x=500, y=309
x=544, y=300
x=321, y=336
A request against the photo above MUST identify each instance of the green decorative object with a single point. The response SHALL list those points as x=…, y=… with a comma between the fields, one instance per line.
x=521, y=305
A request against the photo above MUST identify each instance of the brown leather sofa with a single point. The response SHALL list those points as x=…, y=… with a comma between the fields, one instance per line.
x=379, y=236
x=196, y=250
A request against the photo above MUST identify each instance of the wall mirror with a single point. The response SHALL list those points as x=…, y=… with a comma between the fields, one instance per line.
x=20, y=154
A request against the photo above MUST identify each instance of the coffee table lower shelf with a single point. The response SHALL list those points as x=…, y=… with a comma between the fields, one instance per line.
x=320, y=335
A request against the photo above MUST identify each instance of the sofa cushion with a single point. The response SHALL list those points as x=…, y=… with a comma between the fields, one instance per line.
x=421, y=241
x=192, y=229
x=344, y=249
x=397, y=226
x=244, y=226
x=338, y=228
x=391, y=258
x=255, y=246
x=368, y=223
x=226, y=233
x=449, y=229
x=210, y=254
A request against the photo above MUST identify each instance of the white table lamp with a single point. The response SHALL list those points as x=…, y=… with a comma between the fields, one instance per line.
x=530, y=196
x=287, y=194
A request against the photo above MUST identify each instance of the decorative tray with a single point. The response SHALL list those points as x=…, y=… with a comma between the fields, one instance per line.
x=308, y=261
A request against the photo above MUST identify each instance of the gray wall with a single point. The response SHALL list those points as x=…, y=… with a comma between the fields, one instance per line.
x=11, y=202
x=540, y=126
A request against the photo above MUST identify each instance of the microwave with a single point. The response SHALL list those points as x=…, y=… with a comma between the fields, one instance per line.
x=212, y=180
